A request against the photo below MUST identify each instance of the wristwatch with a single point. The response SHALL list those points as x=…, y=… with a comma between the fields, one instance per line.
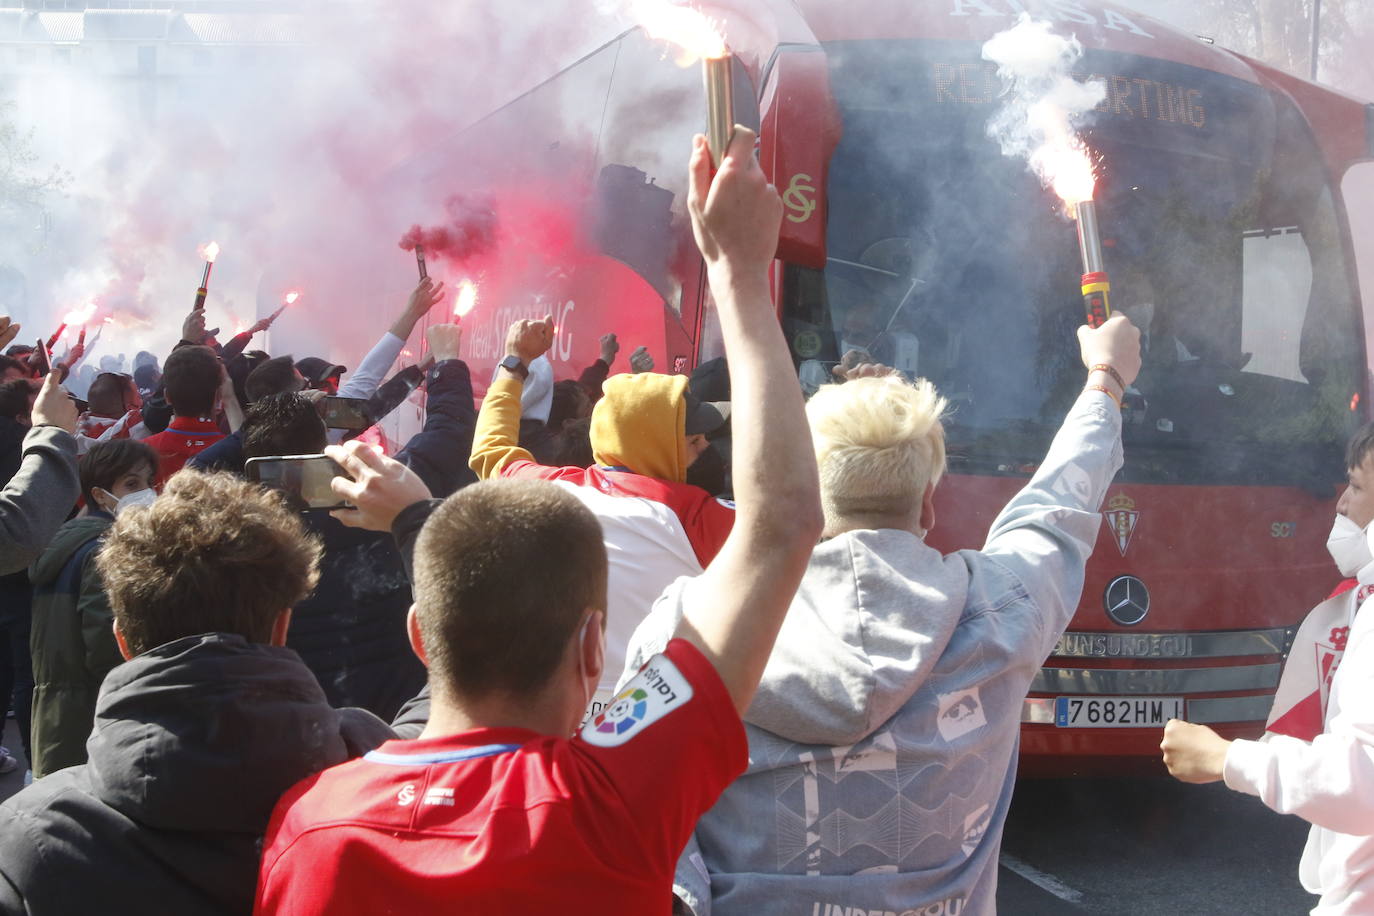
x=513, y=365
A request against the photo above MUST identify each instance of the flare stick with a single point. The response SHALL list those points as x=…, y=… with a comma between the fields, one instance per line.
x=204, y=286
x=720, y=106
x=1096, y=286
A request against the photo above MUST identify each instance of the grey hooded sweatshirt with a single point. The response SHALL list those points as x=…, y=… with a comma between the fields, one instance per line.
x=38, y=498
x=884, y=734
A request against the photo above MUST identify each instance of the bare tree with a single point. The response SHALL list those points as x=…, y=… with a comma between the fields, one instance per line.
x=26, y=186
x=1279, y=33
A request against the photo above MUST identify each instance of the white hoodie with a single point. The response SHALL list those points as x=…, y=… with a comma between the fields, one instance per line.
x=1329, y=782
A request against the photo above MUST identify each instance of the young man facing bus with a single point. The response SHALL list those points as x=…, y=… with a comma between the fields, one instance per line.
x=893, y=695
x=494, y=809
x=1327, y=780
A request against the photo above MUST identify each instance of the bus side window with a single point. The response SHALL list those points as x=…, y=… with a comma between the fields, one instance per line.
x=1357, y=189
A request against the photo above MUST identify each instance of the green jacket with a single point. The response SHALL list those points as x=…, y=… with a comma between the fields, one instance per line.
x=72, y=643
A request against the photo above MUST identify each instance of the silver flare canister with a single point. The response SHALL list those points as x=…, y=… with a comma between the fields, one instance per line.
x=1089, y=239
x=720, y=106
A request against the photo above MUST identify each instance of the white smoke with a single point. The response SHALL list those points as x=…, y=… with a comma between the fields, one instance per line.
x=1044, y=105
x=299, y=161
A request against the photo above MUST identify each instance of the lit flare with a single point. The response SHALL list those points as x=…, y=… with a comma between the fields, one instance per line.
x=466, y=298
x=209, y=253
x=80, y=316
x=1069, y=170
x=695, y=34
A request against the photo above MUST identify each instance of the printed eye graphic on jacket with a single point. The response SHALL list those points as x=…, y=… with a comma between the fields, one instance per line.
x=960, y=713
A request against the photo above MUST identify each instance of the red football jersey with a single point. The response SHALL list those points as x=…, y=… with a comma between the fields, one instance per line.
x=183, y=439
x=511, y=821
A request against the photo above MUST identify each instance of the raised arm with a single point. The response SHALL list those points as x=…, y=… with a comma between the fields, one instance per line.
x=362, y=382
x=1046, y=533
x=35, y=502
x=439, y=452
x=595, y=375
x=496, y=442
x=734, y=610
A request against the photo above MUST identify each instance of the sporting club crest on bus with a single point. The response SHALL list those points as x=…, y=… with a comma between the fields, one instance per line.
x=1122, y=517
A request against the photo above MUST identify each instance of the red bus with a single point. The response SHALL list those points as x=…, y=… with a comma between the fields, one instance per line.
x=1226, y=236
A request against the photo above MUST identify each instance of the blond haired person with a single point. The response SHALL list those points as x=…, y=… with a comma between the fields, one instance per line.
x=883, y=737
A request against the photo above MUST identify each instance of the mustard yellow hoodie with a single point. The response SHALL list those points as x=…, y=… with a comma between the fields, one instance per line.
x=638, y=424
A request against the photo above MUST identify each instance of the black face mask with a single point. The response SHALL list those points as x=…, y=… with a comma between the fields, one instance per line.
x=709, y=471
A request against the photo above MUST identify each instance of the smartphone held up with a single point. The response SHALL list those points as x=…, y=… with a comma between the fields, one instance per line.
x=304, y=478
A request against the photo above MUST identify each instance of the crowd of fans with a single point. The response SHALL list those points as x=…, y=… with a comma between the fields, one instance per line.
x=535, y=662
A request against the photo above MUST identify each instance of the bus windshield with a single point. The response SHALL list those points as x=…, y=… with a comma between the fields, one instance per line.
x=1222, y=239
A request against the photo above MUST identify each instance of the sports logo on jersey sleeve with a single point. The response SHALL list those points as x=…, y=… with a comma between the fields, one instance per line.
x=658, y=689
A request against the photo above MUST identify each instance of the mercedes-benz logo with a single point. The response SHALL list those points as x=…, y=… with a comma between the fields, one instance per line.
x=1126, y=600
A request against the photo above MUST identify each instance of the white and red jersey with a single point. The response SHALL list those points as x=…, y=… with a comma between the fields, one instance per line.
x=91, y=429
x=1329, y=780
x=505, y=820
x=655, y=532
x=1300, y=703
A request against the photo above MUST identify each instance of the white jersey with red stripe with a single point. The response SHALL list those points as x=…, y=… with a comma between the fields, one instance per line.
x=655, y=532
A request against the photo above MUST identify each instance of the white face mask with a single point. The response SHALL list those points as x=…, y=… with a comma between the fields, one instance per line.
x=136, y=498
x=1348, y=546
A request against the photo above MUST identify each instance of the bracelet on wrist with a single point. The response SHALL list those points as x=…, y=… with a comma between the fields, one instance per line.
x=1116, y=376
x=1107, y=391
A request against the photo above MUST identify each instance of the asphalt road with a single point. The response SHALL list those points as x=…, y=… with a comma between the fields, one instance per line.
x=1123, y=847
x=1147, y=845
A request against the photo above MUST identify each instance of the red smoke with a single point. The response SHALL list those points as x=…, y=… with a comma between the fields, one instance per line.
x=470, y=230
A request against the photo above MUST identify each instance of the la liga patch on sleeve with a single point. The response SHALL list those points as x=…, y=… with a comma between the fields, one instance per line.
x=658, y=689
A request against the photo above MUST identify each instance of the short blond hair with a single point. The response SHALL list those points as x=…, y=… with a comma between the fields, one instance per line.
x=879, y=443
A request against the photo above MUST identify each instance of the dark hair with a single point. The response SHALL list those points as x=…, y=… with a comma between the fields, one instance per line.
x=213, y=554
x=488, y=625
x=9, y=363
x=191, y=381
x=147, y=378
x=14, y=397
x=106, y=394
x=572, y=448
x=1360, y=446
x=275, y=376
x=283, y=424
x=568, y=397
x=106, y=462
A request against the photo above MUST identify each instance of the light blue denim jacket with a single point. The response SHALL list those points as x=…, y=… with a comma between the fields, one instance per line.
x=884, y=735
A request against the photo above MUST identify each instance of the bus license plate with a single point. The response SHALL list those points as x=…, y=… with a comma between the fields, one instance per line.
x=1116, y=712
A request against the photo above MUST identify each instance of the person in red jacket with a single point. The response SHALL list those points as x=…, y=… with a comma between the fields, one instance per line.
x=192, y=380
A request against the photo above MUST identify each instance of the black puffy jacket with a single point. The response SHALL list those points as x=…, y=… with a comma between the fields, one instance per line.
x=194, y=742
